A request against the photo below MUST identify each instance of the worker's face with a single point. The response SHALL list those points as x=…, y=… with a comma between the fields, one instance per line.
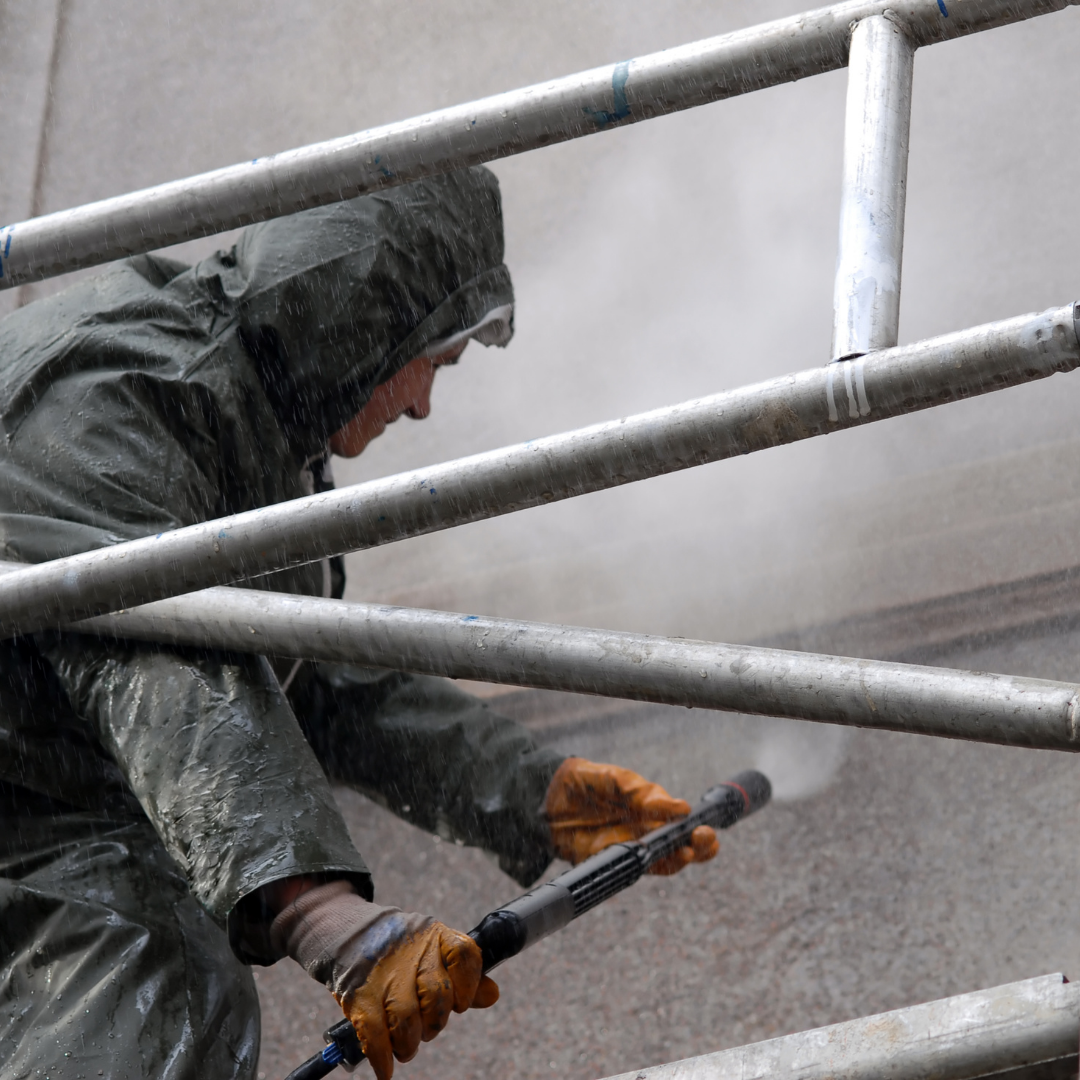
x=408, y=393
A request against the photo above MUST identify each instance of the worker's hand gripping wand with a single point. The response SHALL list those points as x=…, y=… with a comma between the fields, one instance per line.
x=549, y=907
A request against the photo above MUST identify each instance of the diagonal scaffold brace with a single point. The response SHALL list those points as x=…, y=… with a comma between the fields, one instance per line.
x=819, y=401
x=571, y=107
x=974, y=706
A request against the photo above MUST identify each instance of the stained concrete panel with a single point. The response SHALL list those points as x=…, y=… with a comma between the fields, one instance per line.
x=652, y=264
x=919, y=868
x=28, y=31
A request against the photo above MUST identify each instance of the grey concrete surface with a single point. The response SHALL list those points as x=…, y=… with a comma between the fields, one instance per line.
x=721, y=226
x=29, y=33
x=654, y=263
x=890, y=870
x=914, y=869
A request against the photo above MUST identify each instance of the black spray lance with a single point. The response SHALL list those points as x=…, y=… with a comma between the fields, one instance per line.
x=549, y=907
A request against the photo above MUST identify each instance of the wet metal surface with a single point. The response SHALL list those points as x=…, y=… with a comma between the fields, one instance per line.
x=525, y=119
x=892, y=382
x=866, y=299
x=734, y=678
x=1016, y=1026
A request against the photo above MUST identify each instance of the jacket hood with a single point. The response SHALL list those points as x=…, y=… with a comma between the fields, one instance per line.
x=333, y=301
x=154, y=395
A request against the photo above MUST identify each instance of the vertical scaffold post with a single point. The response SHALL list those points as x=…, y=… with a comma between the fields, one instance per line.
x=866, y=304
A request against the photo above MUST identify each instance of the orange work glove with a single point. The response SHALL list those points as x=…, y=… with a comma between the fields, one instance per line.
x=591, y=806
x=395, y=974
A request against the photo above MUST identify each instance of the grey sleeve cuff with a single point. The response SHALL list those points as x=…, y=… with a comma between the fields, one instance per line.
x=250, y=923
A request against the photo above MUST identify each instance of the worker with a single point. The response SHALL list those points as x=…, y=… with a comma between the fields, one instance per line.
x=166, y=814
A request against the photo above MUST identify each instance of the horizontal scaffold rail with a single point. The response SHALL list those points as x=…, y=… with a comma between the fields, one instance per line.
x=672, y=671
x=1020, y=1031
x=511, y=123
x=892, y=382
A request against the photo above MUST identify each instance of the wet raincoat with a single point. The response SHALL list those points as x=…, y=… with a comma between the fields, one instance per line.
x=146, y=792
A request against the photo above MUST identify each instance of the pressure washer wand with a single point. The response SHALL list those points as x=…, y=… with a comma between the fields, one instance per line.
x=549, y=907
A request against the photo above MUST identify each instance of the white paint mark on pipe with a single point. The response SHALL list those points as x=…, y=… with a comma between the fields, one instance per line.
x=830, y=395
x=860, y=385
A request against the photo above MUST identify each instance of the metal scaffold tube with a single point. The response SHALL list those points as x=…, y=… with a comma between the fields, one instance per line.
x=499, y=126
x=697, y=674
x=892, y=382
x=1024, y=1031
x=866, y=303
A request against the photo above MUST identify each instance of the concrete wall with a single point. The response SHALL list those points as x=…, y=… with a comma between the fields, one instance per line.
x=674, y=258
x=654, y=263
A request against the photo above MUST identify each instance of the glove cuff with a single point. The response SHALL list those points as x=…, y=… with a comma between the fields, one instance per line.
x=337, y=937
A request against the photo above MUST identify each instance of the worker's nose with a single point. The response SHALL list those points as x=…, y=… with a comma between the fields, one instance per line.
x=420, y=409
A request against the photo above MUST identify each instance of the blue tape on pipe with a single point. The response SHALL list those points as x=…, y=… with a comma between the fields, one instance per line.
x=620, y=106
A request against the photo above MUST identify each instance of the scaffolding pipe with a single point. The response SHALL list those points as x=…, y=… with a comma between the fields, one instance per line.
x=866, y=299
x=499, y=126
x=697, y=674
x=892, y=382
x=1023, y=1030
